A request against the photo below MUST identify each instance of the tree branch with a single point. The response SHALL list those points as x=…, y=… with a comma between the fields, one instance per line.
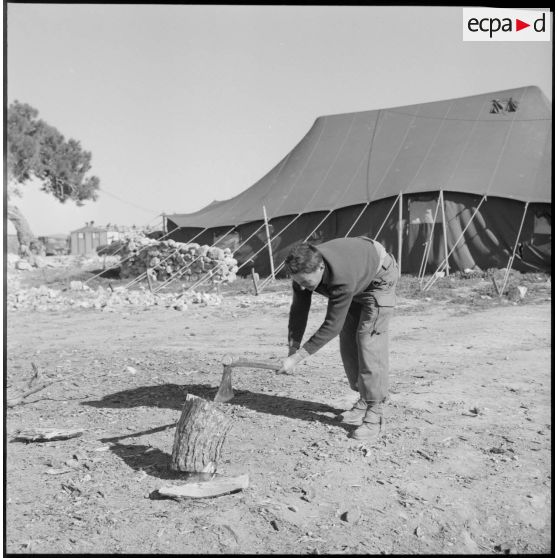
x=16, y=400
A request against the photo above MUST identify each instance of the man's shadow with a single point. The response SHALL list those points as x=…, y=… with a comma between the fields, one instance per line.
x=172, y=396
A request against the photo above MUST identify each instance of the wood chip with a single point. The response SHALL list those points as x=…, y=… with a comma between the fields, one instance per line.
x=47, y=434
x=351, y=516
x=497, y=450
x=233, y=533
x=309, y=494
x=425, y=455
x=57, y=471
x=206, y=489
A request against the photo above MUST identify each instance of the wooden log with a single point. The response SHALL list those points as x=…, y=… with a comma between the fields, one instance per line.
x=199, y=436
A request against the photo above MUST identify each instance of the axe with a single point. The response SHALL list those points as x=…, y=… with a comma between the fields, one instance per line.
x=225, y=391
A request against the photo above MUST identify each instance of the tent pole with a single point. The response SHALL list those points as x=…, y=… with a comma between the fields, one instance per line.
x=211, y=272
x=356, y=220
x=267, y=279
x=269, y=244
x=424, y=262
x=400, y=232
x=512, y=257
x=387, y=216
x=444, y=228
x=277, y=235
x=434, y=277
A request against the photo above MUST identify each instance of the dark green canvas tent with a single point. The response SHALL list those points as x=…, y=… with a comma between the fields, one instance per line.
x=459, y=183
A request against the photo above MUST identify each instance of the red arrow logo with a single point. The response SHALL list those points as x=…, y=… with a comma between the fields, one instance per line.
x=519, y=25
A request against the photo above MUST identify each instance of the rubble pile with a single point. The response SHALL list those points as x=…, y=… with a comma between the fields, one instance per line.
x=13, y=261
x=166, y=258
x=43, y=298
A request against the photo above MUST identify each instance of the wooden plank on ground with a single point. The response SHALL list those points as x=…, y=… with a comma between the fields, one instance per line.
x=206, y=489
x=46, y=434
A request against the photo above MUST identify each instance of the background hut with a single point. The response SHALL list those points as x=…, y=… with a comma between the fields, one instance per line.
x=85, y=240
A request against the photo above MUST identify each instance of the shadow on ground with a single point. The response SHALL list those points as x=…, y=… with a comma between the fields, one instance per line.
x=107, y=273
x=171, y=396
x=152, y=461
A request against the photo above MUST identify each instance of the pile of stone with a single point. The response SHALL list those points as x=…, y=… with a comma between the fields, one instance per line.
x=168, y=258
x=43, y=298
x=90, y=261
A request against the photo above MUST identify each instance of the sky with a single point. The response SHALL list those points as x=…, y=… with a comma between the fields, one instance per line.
x=181, y=105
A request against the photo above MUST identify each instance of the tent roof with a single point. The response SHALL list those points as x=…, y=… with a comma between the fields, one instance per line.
x=457, y=145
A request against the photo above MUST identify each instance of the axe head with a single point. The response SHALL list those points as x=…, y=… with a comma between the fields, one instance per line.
x=225, y=392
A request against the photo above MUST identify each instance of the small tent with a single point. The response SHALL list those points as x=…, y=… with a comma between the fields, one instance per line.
x=453, y=184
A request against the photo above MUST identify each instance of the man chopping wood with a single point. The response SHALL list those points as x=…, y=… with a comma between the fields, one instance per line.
x=358, y=277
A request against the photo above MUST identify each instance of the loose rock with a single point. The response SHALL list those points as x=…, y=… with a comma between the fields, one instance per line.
x=23, y=265
x=351, y=516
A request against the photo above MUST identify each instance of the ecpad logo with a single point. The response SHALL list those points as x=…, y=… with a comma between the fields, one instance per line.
x=493, y=24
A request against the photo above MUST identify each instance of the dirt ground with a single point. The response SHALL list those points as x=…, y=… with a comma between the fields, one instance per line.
x=464, y=467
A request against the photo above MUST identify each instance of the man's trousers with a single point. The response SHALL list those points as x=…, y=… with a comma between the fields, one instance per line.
x=364, y=339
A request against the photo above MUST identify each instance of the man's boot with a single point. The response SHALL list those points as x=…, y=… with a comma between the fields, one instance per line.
x=354, y=415
x=372, y=426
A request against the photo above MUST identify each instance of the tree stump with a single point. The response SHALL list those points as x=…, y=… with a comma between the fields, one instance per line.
x=199, y=436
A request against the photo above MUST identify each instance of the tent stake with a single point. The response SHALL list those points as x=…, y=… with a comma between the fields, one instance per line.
x=444, y=228
x=496, y=286
x=255, y=281
x=269, y=245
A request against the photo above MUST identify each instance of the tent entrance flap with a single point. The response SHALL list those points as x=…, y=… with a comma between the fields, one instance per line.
x=434, y=277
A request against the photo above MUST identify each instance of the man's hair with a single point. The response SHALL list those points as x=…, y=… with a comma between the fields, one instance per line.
x=303, y=258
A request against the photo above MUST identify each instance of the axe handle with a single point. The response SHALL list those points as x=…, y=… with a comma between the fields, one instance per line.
x=253, y=364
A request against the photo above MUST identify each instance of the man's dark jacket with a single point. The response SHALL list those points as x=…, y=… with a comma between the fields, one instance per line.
x=353, y=267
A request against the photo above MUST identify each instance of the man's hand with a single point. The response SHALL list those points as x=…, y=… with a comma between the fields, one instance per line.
x=289, y=364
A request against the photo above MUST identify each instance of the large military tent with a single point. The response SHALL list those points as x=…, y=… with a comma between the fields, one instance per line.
x=453, y=184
